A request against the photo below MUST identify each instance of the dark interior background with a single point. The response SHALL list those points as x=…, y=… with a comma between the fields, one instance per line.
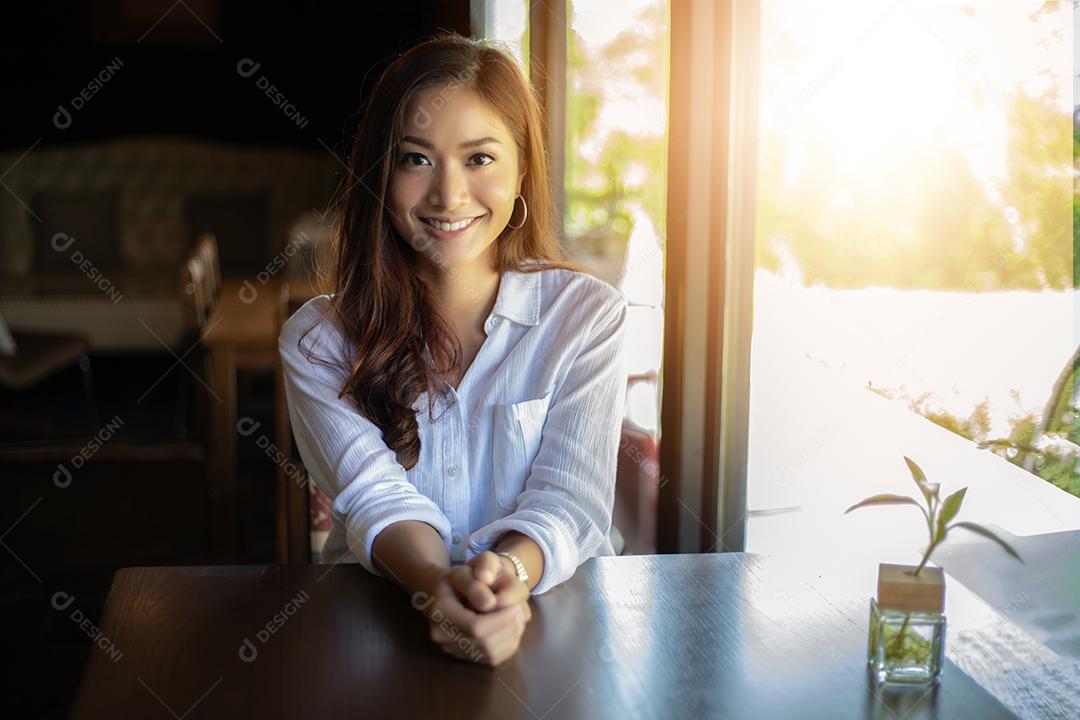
x=148, y=507
x=179, y=79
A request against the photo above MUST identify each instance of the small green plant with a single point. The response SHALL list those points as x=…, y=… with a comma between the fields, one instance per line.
x=939, y=515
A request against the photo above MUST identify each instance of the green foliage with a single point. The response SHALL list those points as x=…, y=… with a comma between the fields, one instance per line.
x=1018, y=448
x=974, y=427
x=916, y=216
x=938, y=514
x=903, y=647
x=1076, y=205
x=597, y=217
x=1061, y=422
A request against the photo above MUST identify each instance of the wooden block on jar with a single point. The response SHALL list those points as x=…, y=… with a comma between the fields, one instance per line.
x=900, y=589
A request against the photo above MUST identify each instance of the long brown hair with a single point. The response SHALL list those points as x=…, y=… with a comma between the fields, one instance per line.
x=386, y=307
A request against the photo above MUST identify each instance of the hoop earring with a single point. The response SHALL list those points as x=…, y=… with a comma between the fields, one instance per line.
x=525, y=217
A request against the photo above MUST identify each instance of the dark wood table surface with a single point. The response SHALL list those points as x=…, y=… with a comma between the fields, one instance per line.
x=662, y=636
x=1041, y=594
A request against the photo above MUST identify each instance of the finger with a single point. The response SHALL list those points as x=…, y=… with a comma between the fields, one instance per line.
x=456, y=619
x=465, y=646
x=477, y=594
x=461, y=580
x=453, y=640
x=449, y=611
x=489, y=623
x=486, y=567
x=490, y=648
x=442, y=629
x=509, y=590
x=504, y=643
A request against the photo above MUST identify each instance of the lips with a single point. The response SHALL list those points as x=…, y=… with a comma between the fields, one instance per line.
x=449, y=228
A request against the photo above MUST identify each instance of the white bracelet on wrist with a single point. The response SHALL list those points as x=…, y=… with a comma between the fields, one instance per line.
x=518, y=566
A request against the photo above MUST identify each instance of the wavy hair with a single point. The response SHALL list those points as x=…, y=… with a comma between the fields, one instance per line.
x=384, y=303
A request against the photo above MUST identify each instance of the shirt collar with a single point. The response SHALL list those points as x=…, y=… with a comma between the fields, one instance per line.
x=518, y=298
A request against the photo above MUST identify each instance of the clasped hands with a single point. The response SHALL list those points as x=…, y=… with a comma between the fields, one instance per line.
x=479, y=609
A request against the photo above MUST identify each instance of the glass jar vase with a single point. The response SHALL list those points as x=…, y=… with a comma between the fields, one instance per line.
x=905, y=646
x=907, y=625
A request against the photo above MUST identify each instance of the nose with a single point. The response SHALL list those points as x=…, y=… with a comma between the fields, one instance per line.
x=449, y=187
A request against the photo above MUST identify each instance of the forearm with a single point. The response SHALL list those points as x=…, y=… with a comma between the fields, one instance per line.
x=527, y=551
x=411, y=553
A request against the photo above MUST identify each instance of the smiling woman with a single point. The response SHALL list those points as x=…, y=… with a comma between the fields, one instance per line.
x=457, y=176
x=448, y=291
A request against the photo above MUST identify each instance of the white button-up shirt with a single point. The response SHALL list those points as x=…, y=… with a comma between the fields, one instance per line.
x=527, y=442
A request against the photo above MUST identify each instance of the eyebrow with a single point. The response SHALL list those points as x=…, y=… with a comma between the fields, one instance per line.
x=468, y=143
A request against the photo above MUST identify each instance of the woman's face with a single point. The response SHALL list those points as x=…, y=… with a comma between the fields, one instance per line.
x=455, y=178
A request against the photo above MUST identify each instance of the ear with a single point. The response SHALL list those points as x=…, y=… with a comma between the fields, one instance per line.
x=521, y=179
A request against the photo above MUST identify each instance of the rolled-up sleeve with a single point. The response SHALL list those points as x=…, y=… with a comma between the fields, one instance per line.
x=568, y=497
x=344, y=451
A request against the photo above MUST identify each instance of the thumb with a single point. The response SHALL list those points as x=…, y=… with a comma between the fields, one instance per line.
x=487, y=567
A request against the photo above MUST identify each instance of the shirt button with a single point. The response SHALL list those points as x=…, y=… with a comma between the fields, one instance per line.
x=457, y=539
x=452, y=470
x=496, y=320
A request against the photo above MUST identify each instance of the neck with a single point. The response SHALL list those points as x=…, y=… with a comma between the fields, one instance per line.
x=468, y=294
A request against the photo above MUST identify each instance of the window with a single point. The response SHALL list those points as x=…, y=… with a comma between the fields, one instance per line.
x=615, y=168
x=601, y=70
x=915, y=287
x=506, y=21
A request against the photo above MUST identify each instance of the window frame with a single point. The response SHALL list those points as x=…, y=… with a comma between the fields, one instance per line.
x=708, y=306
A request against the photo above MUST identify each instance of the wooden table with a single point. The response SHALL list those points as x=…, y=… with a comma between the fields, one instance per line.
x=242, y=332
x=663, y=636
x=1041, y=594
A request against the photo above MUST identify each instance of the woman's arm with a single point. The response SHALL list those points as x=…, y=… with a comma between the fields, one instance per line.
x=343, y=449
x=527, y=551
x=392, y=528
x=565, y=508
x=412, y=553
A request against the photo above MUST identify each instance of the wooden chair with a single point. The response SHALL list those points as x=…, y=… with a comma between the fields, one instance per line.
x=302, y=516
x=206, y=249
x=36, y=356
x=200, y=288
x=303, y=511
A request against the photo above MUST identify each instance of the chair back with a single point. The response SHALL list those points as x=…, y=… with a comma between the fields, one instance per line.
x=303, y=511
x=207, y=250
x=200, y=282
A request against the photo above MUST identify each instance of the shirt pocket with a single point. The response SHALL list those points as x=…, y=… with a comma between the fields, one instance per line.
x=518, y=428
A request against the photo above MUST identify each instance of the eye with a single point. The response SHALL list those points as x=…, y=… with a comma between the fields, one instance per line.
x=481, y=159
x=413, y=159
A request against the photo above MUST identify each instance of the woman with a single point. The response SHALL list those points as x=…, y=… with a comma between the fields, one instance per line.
x=459, y=396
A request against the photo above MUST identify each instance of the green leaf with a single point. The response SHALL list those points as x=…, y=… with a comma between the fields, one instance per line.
x=928, y=489
x=949, y=508
x=885, y=499
x=980, y=530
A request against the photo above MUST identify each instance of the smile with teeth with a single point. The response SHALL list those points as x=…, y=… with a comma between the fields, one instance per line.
x=450, y=227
